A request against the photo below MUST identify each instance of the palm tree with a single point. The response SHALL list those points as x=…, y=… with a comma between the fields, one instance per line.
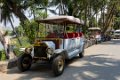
x=10, y=7
x=45, y=6
x=61, y=5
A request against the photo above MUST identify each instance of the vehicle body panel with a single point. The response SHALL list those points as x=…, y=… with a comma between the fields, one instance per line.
x=116, y=34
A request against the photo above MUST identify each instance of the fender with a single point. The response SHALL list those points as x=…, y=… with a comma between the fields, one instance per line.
x=28, y=50
x=60, y=52
x=82, y=48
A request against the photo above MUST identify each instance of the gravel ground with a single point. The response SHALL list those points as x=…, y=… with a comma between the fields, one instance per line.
x=101, y=62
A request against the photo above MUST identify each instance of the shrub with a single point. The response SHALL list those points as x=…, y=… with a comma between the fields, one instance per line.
x=2, y=55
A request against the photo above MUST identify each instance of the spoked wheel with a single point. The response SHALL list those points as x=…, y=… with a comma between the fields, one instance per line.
x=24, y=62
x=58, y=65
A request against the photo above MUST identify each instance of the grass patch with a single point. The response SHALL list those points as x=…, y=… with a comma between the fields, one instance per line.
x=2, y=55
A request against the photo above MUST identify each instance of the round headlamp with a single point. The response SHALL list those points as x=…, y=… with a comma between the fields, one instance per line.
x=28, y=50
x=50, y=51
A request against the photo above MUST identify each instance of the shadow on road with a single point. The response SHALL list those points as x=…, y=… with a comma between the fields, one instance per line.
x=93, y=67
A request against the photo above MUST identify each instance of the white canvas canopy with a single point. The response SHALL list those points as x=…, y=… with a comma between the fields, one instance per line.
x=94, y=28
x=61, y=20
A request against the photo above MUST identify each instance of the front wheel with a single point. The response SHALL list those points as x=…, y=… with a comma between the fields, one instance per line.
x=24, y=62
x=58, y=65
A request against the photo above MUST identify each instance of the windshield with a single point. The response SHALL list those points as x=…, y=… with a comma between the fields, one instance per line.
x=50, y=31
x=57, y=30
x=117, y=32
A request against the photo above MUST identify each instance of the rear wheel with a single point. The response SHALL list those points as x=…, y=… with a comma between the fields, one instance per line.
x=58, y=65
x=81, y=54
x=24, y=62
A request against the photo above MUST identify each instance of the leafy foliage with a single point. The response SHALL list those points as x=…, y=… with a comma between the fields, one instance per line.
x=88, y=10
x=2, y=55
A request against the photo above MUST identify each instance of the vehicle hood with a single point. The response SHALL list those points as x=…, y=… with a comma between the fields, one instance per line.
x=50, y=44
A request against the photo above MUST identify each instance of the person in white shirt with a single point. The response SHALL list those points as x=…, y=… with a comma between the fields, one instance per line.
x=6, y=43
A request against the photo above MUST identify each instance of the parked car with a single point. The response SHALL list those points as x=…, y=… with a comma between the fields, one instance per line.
x=116, y=34
x=105, y=38
x=58, y=43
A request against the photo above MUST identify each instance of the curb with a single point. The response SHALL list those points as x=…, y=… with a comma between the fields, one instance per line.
x=89, y=43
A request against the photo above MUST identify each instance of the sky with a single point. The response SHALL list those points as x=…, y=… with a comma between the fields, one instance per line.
x=8, y=25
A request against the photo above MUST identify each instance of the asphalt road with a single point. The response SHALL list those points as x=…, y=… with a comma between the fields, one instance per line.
x=101, y=62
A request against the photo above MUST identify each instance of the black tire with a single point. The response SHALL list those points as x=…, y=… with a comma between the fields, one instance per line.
x=24, y=62
x=81, y=54
x=58, y=65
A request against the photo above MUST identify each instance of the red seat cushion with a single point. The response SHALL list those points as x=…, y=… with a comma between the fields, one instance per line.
x=70, y=35
x=51, y=35
x=80, y=34
x=65, y=35
x=77, y=35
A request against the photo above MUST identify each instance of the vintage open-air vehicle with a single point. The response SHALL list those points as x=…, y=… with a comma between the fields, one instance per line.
x=58, y=40
x=94, y=30
x=95, y=33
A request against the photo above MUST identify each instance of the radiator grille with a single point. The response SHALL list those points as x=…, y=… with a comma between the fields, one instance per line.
x=40, y=51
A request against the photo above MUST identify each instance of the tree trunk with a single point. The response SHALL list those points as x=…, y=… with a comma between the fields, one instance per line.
x=108, y=19
x=17, y=10
x=85, y=28
x=96, y=19
x=90, y=14
x=20, y=14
